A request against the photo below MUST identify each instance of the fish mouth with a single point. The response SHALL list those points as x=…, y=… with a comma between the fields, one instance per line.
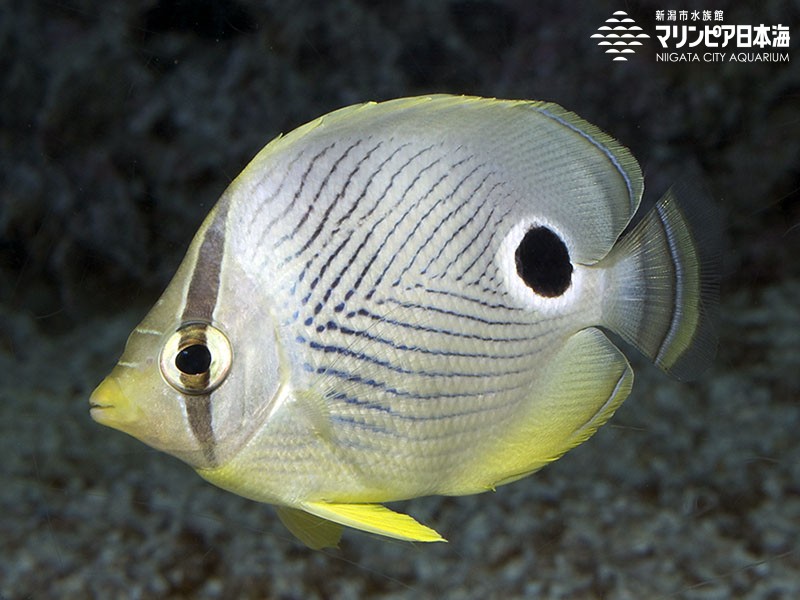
x=104, y=400
x=100, y=412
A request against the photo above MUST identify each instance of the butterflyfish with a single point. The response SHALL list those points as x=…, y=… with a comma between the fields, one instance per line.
x=411, y=298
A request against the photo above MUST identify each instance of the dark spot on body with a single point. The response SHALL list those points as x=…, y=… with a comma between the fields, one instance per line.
x=543, y=263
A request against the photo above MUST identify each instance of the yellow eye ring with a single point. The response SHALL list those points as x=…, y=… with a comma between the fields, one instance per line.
x=196, y=358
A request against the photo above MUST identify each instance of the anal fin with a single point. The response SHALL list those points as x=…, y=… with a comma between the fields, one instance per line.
x=374, y=518
x=587, y=381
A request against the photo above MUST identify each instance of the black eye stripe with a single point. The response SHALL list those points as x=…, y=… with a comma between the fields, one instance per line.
x=201, y=297
x=543, y=262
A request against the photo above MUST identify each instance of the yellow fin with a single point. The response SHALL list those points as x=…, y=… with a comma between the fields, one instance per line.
x=313, y=531
x=589, y=379
x=374, y=518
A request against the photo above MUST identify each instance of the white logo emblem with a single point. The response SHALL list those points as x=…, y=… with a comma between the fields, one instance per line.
x=620, y=33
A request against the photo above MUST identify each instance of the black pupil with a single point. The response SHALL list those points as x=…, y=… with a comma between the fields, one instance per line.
x=193, y=360
x=543, y=262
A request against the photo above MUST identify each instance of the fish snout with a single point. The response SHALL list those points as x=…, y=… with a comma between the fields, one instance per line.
x=108, y=404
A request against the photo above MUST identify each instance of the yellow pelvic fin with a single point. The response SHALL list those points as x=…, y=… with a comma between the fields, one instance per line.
x=313, y=531
x=374, y=518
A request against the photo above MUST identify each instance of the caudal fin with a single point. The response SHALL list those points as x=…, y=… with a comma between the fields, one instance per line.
x=663, y=293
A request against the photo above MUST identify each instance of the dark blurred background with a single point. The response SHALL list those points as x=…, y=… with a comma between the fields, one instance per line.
x=121, y=123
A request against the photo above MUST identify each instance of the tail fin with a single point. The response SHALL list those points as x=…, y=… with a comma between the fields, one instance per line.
x=664, y=283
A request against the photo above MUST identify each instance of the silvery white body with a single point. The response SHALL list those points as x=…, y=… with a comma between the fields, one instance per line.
x=384, y=345
x=378, y=258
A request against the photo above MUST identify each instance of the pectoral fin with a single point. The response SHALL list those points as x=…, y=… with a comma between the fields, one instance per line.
x=374, y=518
x=313, y=531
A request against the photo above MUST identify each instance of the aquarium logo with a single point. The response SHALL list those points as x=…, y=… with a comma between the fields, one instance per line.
x=703, y=36
x=620, y=36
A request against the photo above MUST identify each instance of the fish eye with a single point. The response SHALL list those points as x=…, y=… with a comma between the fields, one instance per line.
x=196, y=358
x=543, y=263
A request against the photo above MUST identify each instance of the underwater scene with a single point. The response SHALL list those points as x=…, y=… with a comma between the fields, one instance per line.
x=417, y=299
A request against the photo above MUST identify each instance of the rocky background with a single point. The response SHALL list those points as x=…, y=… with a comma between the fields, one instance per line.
x=122, y=122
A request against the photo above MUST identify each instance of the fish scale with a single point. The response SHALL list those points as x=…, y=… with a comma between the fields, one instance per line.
x=406, y=298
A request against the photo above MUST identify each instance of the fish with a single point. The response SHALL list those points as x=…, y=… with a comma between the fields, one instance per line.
x=412, y=298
